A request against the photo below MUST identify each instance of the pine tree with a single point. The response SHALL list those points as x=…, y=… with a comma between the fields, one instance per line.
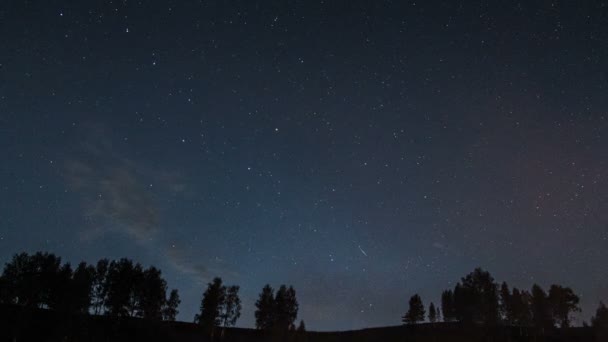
x=416, y=311
x=432, y=313
x=301, y=327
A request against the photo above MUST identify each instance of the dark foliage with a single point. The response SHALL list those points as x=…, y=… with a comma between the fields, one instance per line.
x=276, y=312
x=416, y=311
x=563, y=302
x=220, y=307
x=542, y=317
x=447, y=306
x=117, y=288
x=170, y=311
x=432, y=313
x=265, y=309
x=476, y=298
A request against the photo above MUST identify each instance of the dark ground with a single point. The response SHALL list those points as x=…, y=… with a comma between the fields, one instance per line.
x=20, y=324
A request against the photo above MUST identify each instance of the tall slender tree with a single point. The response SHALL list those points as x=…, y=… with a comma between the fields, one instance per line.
x=506, y=312
x=447, y=306
x=520, y=307
x=211, y=304
x=286, y=308
x=265, y=309
x=432, y=313
x=81, y=289
x=152, y=294
x=231, y=309
x=170, y=309
x=541, y=310
x=100, y=285
x=600, y=320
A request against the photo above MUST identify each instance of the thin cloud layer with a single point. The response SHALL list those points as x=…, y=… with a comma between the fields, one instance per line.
x=113, y=197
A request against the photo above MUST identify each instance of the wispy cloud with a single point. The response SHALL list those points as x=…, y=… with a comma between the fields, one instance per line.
x=118, y=194
x=114, y=197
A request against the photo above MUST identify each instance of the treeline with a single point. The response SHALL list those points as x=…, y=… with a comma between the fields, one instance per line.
x=116, y=288
x=122, y=288
x=477, y=298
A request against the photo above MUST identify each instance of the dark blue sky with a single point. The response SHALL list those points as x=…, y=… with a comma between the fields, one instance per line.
x=362, y=151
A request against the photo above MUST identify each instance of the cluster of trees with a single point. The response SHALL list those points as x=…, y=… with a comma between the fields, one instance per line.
x=277, y=312
x=477, y=298
x=220, y=306
x=116, y=288
x=124, y=288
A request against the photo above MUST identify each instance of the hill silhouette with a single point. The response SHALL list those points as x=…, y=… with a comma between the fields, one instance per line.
x=28, y=324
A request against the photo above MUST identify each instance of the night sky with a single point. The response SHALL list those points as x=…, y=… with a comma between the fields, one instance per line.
x=362, y=151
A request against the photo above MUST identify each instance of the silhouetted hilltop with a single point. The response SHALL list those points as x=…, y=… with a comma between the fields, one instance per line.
x=27, y=324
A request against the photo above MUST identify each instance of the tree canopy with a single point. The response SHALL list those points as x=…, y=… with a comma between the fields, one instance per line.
x=416, y=311
x=276, y=311
x=116, y=288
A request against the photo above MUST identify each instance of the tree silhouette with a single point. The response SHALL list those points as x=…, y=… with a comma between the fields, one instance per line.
x=58, y=294
x=170, y=309
x=213, y=299
x=416, y=311
x=231, y=307
x=119, y=288
x=476, y=299
x=463, y=304
x=563, y=303
x=601, y=316
x=151, y=294
x=541, y=310
x=520, y=307
x=100, y=286
x=506, y=311
x=33, y=281
x=286, y=308
x=432, y=313
x=82, y=288
x=123, y=282
x=301, y=327
x=600, y=322
x=447, y=306
x=265, y=309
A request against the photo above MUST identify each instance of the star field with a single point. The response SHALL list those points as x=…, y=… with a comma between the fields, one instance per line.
x=360, y=151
